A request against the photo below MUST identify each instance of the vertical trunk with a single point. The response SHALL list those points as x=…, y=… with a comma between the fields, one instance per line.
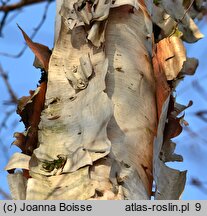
x=103, y=130
x=131, y=87
x=98, y=127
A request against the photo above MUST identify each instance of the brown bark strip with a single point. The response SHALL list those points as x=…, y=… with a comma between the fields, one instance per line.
x=30, y=108
x=30, y=115
x=41, y=51
x=38, y=105
x=162, y=87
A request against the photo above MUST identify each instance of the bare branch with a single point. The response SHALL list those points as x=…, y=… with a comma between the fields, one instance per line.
x=4, y=194
x=5, y=2
x=14, y=98
x=195, y=134
x=13, y=16
x=199, y=89
x=36, y=29
x=4, y=149
x=20, y=4
x=5, y=19
x=6, y=117
x=2, y=23
x=187, y=86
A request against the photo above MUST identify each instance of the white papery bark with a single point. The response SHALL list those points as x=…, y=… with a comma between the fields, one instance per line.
x=77, y=94
x=105, y=107
x=100, y=118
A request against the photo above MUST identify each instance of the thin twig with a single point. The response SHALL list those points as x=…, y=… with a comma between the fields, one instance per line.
x=36, y=29
x=3, y=21
x=5, y=2
x=4, y=149
x=194, y=134
x=5, y=195
x=6, y=117
x=20, y=4
x=14, y=98
x=186, y=87
x=13, y=16
x=199, y=89
x=6, y=9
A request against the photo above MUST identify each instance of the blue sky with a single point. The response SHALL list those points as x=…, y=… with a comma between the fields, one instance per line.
x=23, y=77
x=194, y=148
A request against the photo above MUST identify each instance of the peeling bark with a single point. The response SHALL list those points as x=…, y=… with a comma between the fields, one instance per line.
x=109, y=113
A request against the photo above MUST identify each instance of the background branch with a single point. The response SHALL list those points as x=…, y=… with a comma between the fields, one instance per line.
x=36, y=29
x=6, y=9
x=4, y=194
x=20, y=4
x=14, y=98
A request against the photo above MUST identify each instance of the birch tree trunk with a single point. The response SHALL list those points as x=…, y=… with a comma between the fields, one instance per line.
x=102, y=132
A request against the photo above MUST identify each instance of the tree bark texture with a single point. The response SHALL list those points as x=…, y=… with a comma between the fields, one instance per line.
x=102, y=128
